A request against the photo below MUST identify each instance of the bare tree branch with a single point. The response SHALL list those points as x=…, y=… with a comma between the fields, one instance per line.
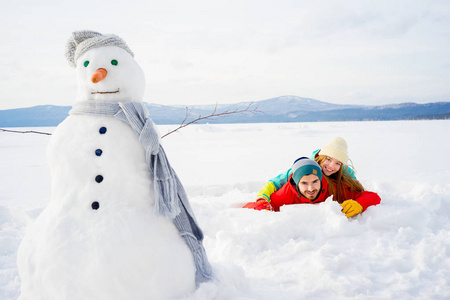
x=214, y=115
x=28, y=131
x=183, y=124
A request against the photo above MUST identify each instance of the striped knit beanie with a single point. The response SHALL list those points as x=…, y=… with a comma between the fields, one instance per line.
x=305, y=166
x=84, y=40
x=337, y=149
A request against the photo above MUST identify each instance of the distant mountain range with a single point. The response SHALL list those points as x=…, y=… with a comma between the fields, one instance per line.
x=280, y=109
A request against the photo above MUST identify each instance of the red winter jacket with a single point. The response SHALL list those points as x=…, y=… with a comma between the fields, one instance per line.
x=288, y=194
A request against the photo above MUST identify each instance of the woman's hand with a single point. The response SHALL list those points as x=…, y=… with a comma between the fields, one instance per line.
x=351, y=208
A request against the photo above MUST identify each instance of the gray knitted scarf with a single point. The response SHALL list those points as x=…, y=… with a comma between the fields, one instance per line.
x=171, y=199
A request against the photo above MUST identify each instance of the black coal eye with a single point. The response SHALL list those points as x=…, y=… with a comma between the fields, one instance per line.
x=86, y=63
x=114, y=62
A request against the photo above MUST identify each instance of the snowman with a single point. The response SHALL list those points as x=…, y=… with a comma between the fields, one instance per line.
x=118, y=224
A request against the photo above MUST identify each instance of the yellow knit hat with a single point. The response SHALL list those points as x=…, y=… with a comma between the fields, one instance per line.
x=337, y=149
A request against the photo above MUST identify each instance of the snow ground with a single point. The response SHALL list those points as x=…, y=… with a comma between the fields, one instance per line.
x=397, y=250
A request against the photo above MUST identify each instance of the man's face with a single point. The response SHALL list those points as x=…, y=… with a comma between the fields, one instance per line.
x=309, y=186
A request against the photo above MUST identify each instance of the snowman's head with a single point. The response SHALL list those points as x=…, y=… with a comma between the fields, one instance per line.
x=109, y=74
x=106, y=69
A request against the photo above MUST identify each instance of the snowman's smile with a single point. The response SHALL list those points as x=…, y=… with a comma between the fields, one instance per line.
x=113, y=92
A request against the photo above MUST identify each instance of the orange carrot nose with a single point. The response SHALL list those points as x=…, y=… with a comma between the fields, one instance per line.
x=99, y=75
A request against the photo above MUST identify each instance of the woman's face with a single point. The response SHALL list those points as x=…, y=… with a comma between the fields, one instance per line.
x=330, y=166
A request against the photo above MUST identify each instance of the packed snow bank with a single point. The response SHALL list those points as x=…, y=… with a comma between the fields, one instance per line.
x=396, y=250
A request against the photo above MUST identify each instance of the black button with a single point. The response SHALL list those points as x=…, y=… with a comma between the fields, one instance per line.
x=99, y=178
x=98, y=152
x=102, y=130
x=95, y=205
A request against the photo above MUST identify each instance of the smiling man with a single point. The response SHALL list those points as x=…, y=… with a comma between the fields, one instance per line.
x=305, y=185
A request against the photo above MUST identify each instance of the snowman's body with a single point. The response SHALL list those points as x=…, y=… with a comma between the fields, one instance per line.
x=99, y=236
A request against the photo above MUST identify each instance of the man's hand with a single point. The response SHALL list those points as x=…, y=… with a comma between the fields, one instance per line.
x=260, y=204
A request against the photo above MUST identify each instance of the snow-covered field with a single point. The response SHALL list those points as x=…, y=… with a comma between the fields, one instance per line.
x=397, y=250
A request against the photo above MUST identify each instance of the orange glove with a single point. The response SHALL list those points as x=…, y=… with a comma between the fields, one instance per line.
x=260, y=204
x=351, y=208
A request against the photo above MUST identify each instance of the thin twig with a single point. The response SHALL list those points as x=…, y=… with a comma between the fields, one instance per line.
x=186, y=116
x=28, y=131
x=214, y=115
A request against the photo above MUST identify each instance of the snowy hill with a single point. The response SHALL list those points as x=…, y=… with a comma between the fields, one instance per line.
x=285, y=105
x=280, y=109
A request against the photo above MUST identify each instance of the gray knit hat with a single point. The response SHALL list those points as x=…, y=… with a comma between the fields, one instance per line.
x=305, y=166
x=83, y=40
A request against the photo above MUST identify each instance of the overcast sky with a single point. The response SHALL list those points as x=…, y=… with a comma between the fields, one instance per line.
x=207, y=52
